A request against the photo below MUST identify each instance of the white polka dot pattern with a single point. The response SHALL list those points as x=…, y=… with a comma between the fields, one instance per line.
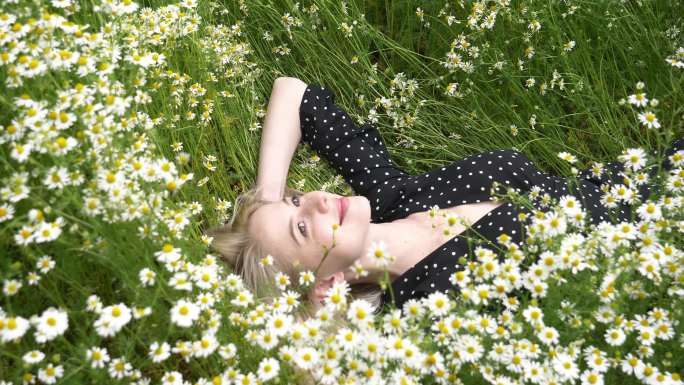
x=359, y=154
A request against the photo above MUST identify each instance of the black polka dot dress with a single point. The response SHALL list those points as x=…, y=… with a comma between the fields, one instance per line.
x=360, y=156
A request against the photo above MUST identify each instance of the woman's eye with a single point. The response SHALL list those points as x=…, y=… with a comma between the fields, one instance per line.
x=301, y=226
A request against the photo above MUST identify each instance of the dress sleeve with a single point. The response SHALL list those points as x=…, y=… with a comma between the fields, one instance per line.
x=357, y=153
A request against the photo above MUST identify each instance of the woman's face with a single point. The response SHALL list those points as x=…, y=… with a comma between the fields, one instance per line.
x=297, y=227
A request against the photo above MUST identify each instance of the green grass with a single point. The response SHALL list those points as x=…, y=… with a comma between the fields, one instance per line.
x=618, y=44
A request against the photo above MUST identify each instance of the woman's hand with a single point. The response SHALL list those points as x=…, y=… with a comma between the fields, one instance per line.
x=280, y=136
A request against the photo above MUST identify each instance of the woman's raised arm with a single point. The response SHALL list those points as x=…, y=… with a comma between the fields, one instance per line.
x=280, y=136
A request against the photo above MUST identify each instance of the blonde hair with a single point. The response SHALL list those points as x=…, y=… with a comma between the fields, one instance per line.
x=243, y=254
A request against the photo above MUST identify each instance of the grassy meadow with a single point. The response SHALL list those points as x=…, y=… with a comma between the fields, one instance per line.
x=128, y=127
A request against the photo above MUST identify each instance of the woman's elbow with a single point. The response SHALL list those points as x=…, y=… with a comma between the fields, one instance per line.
x=287, y=80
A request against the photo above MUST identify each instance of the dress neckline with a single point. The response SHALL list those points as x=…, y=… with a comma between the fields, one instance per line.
x=467, y=232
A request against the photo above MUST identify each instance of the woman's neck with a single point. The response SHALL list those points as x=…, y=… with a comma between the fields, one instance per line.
x=408, y=239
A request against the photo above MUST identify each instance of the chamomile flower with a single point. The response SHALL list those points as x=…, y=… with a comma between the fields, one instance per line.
x=268, y=369
x=118, y=315
x=359, y=270
x=180, y=281
x=159, y=352
x=470, y=348
x=51, y=324
x=591, y=377
x=647, y=335
x=11, y=287
x=50, y=374
x=205, y=277
x=168, y=253
x=234, y=282
x=205, y=346
x=615, y=336
x=306, y=358
x=97, y=356
x=6, y=212
x=25, y=235
x=567, y=47
x=13, y=328
x=533, y=315
x=633, y=158
x=534, y=372
x=205, y=300
x=20, y=152
x=650, y=211
x=33, y=357
x=649, y=267
x=347, y=338
x=481, y=294
x=104, y=327
x=622, y=192
x=486, y=324
x=439, y=303
x=361, y=313
x=306, y=278
x=336, y=296
x=378, y=253
x=172, y=378
x=649, y=119
x=566, y=156
x=184, y=313
x=243, y=298
x=266, y=339
x=63, y=145
x=548, y=335
x=57, y=178
x=45, y=264
x=460, y=278
x=413, y=308
x=565, y=366
x=140, y=312
x=570, y=205
x=246, y=379
x=393, y=321
x=227, y=351
x=147, y=276
x=178, y=221
x=119, y=368
x=279, y=324
x=94, y=304
x=597, y=361
x=632, y=365
x=48, y=231
x=282, y=281
x=639, y=99
x=537, y=288
x=289, y=300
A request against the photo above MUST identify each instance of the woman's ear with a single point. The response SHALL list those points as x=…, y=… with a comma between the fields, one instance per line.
x=322, y=286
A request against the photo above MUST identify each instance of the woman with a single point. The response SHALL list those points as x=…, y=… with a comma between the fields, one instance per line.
x=392, y=206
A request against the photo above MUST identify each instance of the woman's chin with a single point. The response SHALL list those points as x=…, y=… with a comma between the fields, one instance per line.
x=359, y=207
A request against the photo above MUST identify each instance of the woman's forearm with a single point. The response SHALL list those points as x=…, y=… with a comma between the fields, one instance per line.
x=280, y=136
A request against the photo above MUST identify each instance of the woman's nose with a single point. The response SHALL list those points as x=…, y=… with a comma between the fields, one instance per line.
x=323, y=204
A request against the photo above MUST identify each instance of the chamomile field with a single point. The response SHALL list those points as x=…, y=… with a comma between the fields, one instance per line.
x=128, y=128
